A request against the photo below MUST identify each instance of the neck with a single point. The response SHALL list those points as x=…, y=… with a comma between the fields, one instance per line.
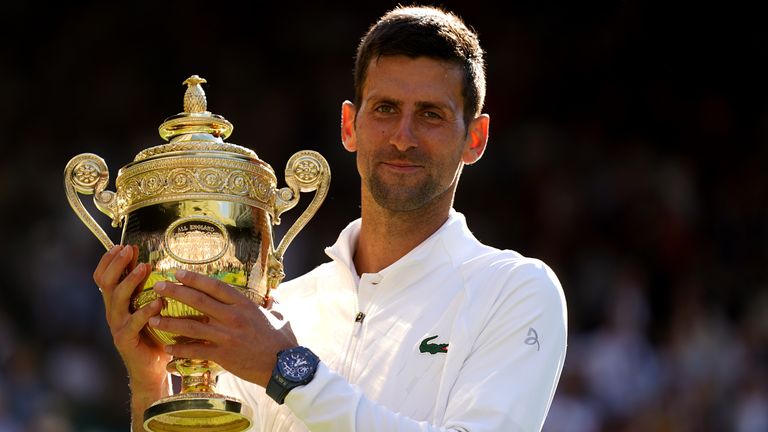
x=386, y=235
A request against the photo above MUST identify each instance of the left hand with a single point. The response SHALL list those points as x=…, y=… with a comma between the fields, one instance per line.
x=241, y=336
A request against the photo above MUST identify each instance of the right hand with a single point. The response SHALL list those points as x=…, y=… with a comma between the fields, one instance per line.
x=144, y=359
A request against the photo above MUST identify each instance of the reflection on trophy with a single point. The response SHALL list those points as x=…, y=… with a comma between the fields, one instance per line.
x=200, y=204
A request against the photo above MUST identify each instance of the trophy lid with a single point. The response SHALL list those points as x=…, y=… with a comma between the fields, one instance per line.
x=195, y=129
x=196, y=164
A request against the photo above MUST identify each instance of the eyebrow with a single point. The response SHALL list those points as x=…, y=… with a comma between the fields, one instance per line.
x=427, y=104
x=419, y=104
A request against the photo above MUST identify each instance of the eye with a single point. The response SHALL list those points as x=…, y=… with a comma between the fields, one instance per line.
x=384, y=109
x=432, y=115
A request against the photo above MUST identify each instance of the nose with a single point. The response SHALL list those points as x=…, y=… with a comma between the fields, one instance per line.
x=404, y=137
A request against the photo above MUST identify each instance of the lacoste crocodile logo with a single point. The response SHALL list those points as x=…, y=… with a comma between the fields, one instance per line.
x=427, y=347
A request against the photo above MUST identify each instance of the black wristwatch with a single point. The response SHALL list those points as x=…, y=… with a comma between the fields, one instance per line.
x=295, y=367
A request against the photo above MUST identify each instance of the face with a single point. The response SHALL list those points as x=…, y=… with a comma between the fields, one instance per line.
x=409, y=132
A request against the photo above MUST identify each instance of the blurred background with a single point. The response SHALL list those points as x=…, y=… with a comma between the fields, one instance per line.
x=628, y=150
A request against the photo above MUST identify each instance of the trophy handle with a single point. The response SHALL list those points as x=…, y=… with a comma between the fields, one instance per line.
x=306, y=171
x=88, y=174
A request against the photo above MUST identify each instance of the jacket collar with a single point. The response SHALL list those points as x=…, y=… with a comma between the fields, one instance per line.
x=452, y=236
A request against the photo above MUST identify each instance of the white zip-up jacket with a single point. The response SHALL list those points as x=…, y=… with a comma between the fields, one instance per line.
x=455, y=336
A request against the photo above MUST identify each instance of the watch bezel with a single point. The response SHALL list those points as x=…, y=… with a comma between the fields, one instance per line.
x=288, y=357
x=307, y=355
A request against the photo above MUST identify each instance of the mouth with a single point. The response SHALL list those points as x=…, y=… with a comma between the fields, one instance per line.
x=401, y=166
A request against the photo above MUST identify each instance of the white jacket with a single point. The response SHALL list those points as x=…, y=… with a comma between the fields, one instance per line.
x=502, y=316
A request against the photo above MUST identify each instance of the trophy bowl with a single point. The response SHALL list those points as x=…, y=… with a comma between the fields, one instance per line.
x=199, y=204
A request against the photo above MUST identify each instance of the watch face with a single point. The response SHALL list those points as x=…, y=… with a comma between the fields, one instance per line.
x=295, y=366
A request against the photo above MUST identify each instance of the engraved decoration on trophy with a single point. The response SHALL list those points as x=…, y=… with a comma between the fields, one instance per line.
x=200, y=204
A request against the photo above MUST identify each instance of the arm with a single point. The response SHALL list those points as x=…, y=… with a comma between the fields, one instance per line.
x=504, y=378
x=144, y=361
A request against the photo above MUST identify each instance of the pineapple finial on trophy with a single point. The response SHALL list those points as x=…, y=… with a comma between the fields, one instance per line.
x=195, y=121
x=194, y=97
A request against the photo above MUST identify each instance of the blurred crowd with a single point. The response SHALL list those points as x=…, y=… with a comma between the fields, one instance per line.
x=628, y=150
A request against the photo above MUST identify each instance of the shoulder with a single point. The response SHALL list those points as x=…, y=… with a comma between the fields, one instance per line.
x=510, y=264
x=494, y=273
x=478, y=260
x=507, y=276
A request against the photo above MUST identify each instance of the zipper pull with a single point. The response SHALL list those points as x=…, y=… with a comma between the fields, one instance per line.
x=360, y=317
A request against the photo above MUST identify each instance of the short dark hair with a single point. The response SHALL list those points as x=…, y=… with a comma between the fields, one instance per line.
x=426, y=31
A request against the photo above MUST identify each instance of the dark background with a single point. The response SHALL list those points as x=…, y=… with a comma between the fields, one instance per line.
x=627, y=150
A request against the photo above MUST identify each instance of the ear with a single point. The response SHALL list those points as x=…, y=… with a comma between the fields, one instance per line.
x=477, y=138
x=348, y=138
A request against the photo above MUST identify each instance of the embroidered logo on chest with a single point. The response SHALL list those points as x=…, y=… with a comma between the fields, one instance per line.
x=432, y=348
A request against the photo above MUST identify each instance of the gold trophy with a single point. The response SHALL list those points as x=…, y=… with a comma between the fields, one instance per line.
x=200, y=204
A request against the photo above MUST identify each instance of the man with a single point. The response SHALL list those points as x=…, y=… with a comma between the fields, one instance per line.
x=416, y=324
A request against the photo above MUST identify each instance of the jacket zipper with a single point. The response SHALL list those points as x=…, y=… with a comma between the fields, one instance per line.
x=354, y=338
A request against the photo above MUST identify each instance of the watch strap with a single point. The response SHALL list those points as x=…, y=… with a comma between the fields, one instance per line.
x=275, y=390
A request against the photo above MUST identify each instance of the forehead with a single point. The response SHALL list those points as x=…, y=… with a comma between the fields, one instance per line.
x=414, y=79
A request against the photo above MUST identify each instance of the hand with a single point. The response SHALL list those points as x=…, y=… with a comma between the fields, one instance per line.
x=241, y=336
x=144, y=360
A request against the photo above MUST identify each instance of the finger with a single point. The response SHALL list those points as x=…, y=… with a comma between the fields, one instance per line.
x=119, y=306
x=139, y=319
x=195, y=350
x=135, y=257
x=98, y=274
x=217, y=289
x=104, y=262
x=193, y=298
x=191, y=328
x=116, y=269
